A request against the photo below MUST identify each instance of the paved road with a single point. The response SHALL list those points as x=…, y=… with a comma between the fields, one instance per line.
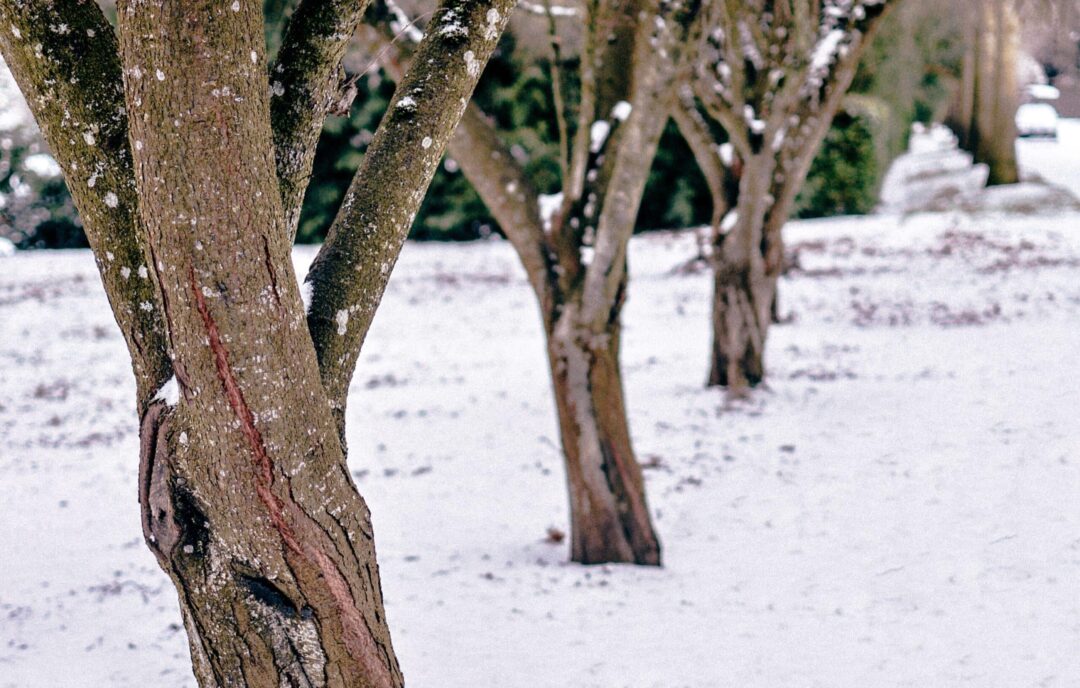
x=1056, y=161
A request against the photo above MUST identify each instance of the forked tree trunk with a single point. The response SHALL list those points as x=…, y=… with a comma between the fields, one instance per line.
x=776, y=107
x=576, y=260
x=609, y=516
x=168, y=145
x=744, y=287
x=246, y=498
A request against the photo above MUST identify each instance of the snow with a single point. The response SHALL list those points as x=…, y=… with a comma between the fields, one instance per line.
x=1055, y=161
x=7, y=248
x=549, y=205
x=555, y=10
x=402, y=25
x=169, y=392
x=897, y=508
x=598, y=134
x=936, y=176
x=42, y=164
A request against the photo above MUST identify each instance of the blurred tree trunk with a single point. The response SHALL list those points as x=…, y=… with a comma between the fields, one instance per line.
x=775, y=92
x=576, y=259
x=983, y=114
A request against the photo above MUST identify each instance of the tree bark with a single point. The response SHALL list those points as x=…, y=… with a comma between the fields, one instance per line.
x=776, y=127
x=167, y=141
x=609, y=516
x=983, y=109
x=743, y=287
x=247, y=501
x=996, y=115
x=72, y=84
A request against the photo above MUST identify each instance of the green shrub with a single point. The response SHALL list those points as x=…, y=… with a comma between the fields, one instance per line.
x=846, y=173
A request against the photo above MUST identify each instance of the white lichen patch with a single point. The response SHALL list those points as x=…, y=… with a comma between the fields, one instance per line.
x=125, y=272
x=472, y=65
x=111, y=200
x=491, y=31
x=426, y=143
x=342, y=320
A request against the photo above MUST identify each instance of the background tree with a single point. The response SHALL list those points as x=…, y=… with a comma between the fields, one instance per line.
x=771, y=76
x=574, y=249
x=983, y=114
x=188, y=167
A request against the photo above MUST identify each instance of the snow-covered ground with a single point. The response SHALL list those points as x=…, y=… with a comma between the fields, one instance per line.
x=898, y=508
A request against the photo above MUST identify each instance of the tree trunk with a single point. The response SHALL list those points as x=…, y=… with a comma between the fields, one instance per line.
x=247, y=500
x=294, y=601
x=984, y=105
x=738, y=350
x=609, y=516
x=168, y=146
x=996, y=143
x=743, y=284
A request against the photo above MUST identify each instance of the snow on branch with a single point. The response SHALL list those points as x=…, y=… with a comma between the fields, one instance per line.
x=756, y=68
x=553, y=10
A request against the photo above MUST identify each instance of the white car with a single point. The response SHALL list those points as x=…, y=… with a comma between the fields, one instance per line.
x=1037, y=119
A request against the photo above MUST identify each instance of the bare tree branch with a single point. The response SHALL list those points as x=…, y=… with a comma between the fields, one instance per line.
x=558, y=101
x=695, y=131
x=307, y=83
x=350, y=273
x=508, y=193
x=659, y=49
x=497, y=177
x=63, y=55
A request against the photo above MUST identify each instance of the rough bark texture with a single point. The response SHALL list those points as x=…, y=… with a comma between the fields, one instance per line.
x=774, y=83
x=307, y=82
x=171, y=152
x=247, y=504
x=352, y=268
x=609, y=516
